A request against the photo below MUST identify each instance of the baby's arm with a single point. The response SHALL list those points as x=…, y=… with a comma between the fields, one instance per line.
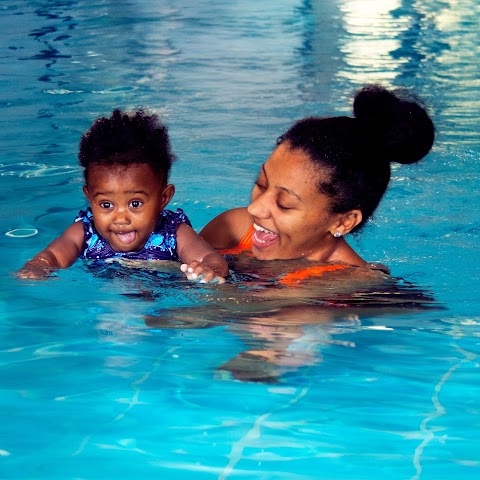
x=199, y=259
x=61, y=253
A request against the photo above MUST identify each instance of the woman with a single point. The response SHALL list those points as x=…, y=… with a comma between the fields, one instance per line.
x=324, y=180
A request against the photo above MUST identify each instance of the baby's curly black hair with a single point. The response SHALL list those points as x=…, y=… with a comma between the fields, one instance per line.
x=126, y=139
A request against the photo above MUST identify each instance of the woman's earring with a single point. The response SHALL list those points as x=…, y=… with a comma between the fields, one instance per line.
x=337, y=234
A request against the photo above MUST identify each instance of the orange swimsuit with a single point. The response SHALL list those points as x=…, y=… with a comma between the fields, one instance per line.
x=245, y=244
x=292, y=278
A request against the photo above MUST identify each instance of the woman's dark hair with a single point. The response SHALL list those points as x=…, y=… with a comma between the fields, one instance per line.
x=126, y=139
x=355, y=152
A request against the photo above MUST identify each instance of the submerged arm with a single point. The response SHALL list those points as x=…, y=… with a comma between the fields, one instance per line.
x=61, y=253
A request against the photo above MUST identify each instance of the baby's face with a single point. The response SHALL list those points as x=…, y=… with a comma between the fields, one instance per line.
x=126, y=203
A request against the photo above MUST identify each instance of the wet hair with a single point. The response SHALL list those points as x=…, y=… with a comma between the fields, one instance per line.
x=354, y=153
x=127, y=139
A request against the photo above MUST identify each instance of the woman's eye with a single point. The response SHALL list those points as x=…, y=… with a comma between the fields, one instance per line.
x=260, y=185
x=283, y=207
x=136, y=203
x=106, y=205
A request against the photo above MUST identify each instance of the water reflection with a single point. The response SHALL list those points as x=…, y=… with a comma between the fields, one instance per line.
x=284, y=329
x=370, y=35
x=428, y=46
x=53, y=36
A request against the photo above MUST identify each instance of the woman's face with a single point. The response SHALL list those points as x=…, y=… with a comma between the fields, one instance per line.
x=291, y=218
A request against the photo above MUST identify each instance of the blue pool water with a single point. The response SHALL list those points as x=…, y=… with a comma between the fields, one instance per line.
x=90, y=389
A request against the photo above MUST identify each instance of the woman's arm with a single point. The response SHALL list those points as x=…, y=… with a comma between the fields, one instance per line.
x=61, y=253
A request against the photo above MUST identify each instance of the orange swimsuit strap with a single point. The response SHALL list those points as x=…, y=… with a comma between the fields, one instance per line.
x=290, y=278
x=296, y=277
x=245, y=244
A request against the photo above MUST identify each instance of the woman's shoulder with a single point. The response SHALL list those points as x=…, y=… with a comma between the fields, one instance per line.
x=227, y=228
x=237, y=216
x=344, y=253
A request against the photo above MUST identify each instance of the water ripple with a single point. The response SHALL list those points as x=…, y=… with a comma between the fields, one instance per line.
x=31, y=169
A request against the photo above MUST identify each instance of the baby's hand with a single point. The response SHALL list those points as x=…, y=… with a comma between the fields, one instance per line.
x=34, y=271
x=201, y=272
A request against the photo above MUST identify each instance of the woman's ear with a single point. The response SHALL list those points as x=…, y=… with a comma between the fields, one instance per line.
x=346, y=223
x=167, y=195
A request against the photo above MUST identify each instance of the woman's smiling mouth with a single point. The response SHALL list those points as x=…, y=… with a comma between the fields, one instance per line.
x=262, y=237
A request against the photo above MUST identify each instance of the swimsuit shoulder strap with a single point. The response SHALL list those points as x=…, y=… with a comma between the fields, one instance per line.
x=244, y=244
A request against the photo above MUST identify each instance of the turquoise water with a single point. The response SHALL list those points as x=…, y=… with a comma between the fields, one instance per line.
x=90, y=388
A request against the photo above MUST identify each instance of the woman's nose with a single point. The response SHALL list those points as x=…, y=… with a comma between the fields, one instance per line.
x=259, y=207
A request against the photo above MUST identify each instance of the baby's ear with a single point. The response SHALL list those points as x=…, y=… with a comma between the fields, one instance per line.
x=167, y=194
x=85, y=192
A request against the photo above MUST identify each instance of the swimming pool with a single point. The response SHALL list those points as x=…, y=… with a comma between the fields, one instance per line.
x=90, y=390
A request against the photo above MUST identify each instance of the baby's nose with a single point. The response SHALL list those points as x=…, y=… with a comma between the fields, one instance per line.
x=121, y=216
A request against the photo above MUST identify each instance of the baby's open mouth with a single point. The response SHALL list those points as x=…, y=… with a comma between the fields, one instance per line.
x=127, y=237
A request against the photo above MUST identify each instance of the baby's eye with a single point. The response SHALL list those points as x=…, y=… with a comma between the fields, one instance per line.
x=136, y=203
x=106, y=205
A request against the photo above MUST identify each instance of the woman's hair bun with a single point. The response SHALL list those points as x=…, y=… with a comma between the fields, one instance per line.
x=394, y=124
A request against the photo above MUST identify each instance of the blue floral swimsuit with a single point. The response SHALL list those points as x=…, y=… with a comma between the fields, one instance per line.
x=161, y=245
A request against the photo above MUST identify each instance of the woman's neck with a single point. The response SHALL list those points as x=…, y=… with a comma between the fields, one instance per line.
x=336, y=250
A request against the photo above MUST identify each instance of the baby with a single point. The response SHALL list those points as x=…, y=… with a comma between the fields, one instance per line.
x=126, y=160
